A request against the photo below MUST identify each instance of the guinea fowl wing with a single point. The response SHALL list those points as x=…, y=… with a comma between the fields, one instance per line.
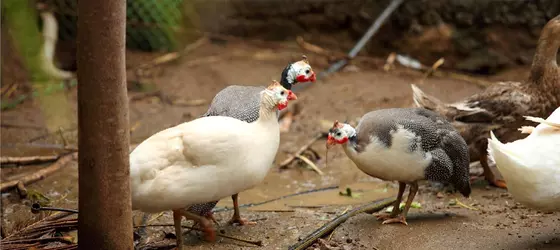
x=240, y=102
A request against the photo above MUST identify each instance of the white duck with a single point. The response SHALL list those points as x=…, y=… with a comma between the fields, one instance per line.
x=205, y=160
x=531, y=166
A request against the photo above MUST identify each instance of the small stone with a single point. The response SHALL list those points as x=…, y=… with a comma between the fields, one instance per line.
x=547, y=242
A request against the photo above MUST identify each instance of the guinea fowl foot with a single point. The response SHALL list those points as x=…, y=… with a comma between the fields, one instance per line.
x=398, y=219
x=209, y=216
x=236, y=214
x=205, y=225
x=209, y=232
x=241, y=221
x=384, y=216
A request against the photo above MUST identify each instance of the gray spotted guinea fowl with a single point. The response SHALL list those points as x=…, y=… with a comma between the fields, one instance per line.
x=405, y=145
x=233, y=101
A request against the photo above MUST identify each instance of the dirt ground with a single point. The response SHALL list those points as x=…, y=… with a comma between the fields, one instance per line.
x=494, y=221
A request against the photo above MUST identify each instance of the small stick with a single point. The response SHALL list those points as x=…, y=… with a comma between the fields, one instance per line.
x=28, y=160
x=310, y=163
x=21, y=189
x=298, y=153
x=43, y=240
x=41, y=174
x=432, y=69
x=331, y=225
x=390, y=62
x=256, y=243
x=36, y=207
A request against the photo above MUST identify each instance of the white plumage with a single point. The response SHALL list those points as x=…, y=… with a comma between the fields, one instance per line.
x=186, y=164
x=531, y=166
x=205, y=160
x=392, y=163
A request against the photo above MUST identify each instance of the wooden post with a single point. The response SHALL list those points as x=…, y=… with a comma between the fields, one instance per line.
x=105, y=219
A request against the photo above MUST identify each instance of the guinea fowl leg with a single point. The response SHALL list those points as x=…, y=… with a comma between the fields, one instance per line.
x=396, y=205
x=401, y=218
x=177, y=216
x=236, y=216
x=210, y=234
x=488, y=174
x=209, y=216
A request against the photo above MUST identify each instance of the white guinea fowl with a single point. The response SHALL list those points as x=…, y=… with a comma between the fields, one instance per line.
x=205, y=160
x=531, y=166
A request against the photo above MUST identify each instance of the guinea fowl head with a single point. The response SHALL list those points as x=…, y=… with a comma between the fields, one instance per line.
x=340, y=133
x=297, y=72
x=278, y=96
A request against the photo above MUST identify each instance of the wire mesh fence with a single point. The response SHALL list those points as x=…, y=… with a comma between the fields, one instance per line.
x=152, y=25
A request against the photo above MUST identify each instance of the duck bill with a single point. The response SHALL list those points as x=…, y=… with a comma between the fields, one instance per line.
x=331, y=142
x=291, y=96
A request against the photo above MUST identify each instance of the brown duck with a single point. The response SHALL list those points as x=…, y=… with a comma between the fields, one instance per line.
x=501, y=106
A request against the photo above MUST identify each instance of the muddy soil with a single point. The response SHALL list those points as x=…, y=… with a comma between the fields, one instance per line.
x=494, y=221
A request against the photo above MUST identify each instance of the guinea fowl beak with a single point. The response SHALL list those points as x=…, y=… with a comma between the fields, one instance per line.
x=291, y=96
x=330, y=141
x=313, y=77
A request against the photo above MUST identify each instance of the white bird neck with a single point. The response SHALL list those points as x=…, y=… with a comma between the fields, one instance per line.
x=267, y=110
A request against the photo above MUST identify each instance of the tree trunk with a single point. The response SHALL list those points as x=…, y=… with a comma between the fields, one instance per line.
x=105, y=219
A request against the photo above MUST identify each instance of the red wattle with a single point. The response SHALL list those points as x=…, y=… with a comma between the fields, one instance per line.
x=342, y=141
x=282, y=105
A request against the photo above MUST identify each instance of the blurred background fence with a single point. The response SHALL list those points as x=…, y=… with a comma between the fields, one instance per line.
x=151, y=24
x=478, y=36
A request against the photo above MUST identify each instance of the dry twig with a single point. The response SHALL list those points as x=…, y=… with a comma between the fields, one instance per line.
x=28, y=160
x=310, y=163
x=41, y=174
x=298, y=153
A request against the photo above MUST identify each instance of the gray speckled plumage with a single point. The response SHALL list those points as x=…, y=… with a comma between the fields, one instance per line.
x=239, y=102
x=434, y=134
x=204, y=209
